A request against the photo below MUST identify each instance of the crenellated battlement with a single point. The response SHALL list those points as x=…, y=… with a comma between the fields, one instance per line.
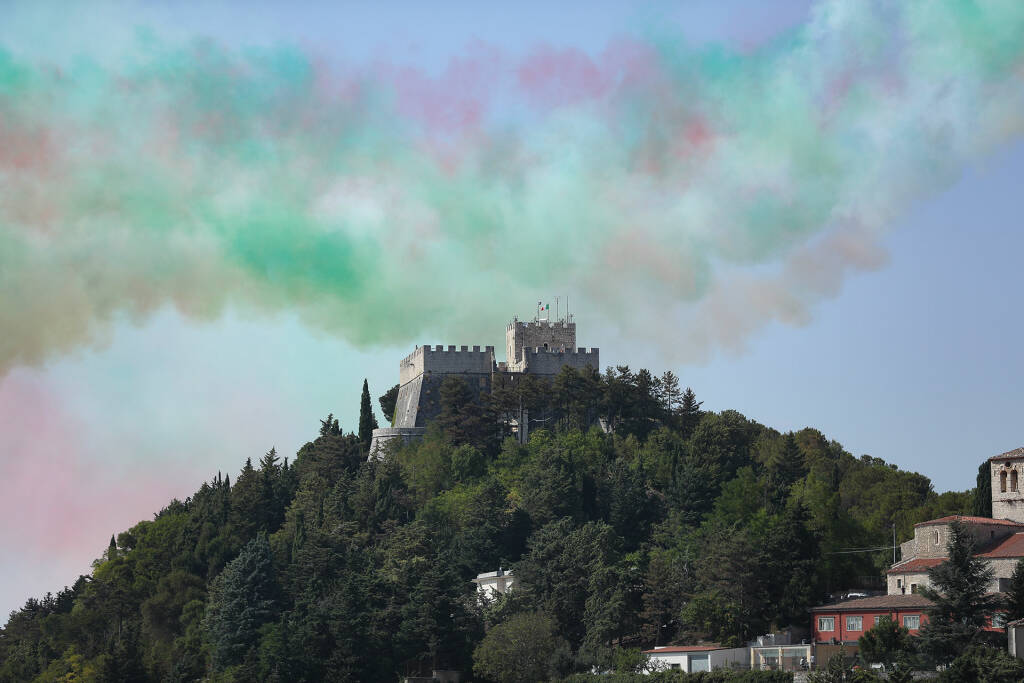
x=442, y=359
x=541, y=361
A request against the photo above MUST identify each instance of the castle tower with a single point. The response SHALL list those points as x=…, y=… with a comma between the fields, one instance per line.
x=550, y=335
x=1008, y=485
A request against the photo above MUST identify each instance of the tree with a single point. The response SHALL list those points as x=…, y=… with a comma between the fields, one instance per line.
x=982, y=504
x=959, y=593
x=689, y=412
x=388, y=402
x=984, y=663
x=886, y=642
x=1015, y=595
x=242, y=599
x=524, y=648
x=367, y=420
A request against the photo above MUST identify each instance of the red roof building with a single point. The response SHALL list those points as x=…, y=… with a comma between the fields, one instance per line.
x=847, y=620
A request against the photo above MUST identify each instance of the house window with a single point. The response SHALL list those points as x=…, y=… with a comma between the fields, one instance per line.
x=912, y=621
x=1002, y=481
x=999, y=620
x=878, y=618
x=899, y=583
x=935, y=537
x=913, y=588
x=854, y=623
x=674, y=666
x=826, y=623
x=1013, y=480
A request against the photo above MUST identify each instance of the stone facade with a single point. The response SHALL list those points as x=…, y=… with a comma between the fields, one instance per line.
x=538, y=347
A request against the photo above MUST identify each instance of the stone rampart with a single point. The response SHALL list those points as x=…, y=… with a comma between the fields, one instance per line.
x=385, y=437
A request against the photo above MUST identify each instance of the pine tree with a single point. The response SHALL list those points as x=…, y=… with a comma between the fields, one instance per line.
x=242, y=599
x=367, y=420
x=689, y=412
x=1015, y=595
x=387, y=403
x=959, y=593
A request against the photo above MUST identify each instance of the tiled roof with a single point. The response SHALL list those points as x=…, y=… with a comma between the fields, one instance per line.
x=916, y=565
x=685, y=648
x=1015, y=453
x=876, y=602
x=970, y=520
x=1011, y=546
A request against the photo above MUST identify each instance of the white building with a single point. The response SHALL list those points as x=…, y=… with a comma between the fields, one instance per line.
x=1015, y=638
x=692, y=658
x=492, y=585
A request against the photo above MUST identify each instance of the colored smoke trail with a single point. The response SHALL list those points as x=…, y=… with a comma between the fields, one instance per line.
x=387, y=205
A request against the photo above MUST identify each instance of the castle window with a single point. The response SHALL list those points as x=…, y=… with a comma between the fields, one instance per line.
x=1002, y=481
x=1013, y=480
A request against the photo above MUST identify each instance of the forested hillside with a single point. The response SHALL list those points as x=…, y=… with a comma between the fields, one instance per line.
x=680, y=525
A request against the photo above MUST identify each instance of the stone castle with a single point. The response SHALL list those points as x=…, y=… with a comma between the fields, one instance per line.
x=540, y=347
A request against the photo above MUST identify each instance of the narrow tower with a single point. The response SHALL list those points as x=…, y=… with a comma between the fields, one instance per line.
x=1007, y=483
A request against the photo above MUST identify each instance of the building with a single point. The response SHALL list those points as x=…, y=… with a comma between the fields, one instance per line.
x=1015, y=638
x=492, y=585
x=540, y=347
x=693, y=658
x=844, y=622
x=999, y=539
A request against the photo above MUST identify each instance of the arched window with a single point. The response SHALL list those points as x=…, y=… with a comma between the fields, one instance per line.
x=1013, y=480
x=1002, y=481
x=936, y=537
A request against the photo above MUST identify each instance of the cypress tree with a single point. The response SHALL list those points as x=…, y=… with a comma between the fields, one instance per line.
x=982, y=504
x=367, y=420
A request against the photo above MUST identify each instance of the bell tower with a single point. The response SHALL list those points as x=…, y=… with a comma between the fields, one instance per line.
x=1008, y=485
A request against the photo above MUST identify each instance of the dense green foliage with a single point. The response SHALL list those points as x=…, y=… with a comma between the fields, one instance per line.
x=387, y=403
x=680, y=525
x=984, y=664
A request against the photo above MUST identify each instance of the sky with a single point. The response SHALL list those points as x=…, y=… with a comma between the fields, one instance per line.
x=216, y=219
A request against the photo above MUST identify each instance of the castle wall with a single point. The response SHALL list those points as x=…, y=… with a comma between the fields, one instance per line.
x=408, y=403
x=423, y=370
x=540, y=362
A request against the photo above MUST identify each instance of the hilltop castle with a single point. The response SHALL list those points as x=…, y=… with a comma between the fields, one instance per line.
x=540, y=347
